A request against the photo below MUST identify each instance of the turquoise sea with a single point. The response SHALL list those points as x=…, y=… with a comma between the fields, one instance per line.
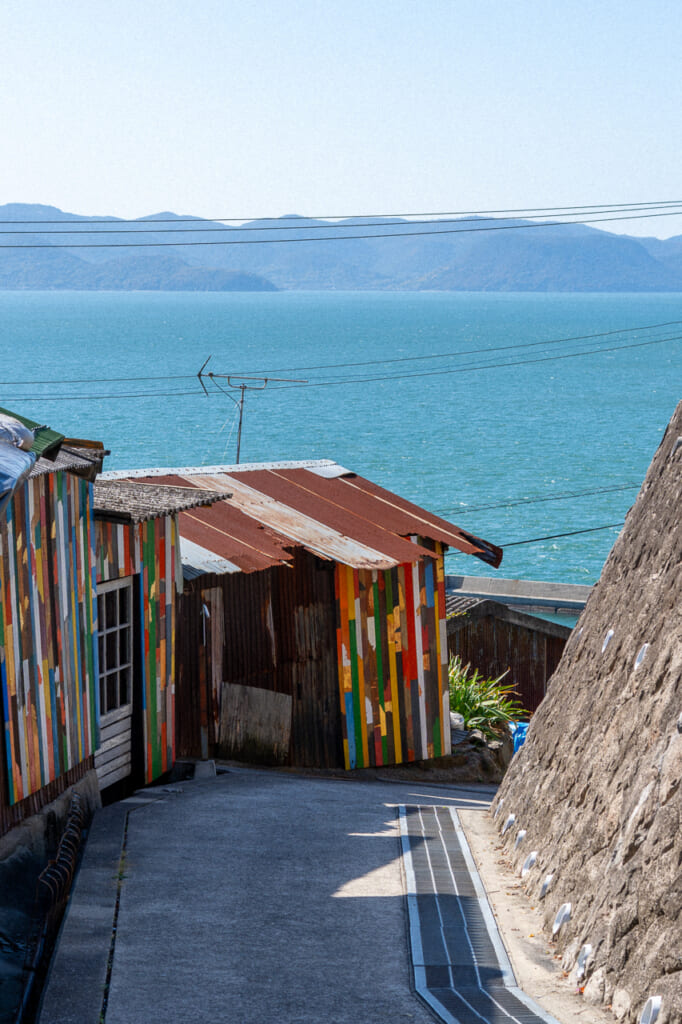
x=455, y=433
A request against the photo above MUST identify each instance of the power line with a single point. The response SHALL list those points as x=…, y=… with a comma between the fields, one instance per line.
x=92, y=398
x=347, y=216
x=327, y=238
x=483, y=366
x=513, y=502
x=555, y=536
x=368, y=362
x=149, y=227
x=479, y=351
x=97, y=380
x=365, y=380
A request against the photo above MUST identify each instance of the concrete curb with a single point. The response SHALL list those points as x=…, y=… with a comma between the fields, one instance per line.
x=74, y=987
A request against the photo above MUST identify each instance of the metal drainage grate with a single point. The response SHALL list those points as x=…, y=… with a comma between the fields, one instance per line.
x=461, y=968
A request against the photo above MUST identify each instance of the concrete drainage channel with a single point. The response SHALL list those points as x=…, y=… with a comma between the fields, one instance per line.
x=461, y=968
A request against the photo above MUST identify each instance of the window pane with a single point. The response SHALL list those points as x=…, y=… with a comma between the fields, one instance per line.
x=124, y=686
x=124, y=647
x=112, y=649
x=111, y=598
x=102, y=660
x=112, y=687
x=102, y=696
x=123, y=604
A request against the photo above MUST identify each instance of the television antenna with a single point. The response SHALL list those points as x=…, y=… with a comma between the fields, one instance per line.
x=242, y=384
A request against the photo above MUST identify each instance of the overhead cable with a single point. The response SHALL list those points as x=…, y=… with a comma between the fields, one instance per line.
x=329, y=238
x=477, y=351
x=346, y=216
x=556, y=536
x=367, y=362
x=483, y=366
x=366, y=380
x=91, y=398
x=514, y=502
x=149, y=226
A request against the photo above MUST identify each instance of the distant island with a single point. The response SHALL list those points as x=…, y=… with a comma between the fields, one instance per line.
x=461, y=257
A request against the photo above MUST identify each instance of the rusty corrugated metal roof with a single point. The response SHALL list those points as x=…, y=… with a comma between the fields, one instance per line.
x=317, y=505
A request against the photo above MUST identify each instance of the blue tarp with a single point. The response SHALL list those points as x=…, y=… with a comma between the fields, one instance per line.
x=520, y=734
x=15, y=465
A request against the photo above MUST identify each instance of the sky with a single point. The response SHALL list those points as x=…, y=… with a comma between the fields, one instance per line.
x=223, y=108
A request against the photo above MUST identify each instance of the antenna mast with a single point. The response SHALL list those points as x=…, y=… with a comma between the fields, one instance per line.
x=238, y=382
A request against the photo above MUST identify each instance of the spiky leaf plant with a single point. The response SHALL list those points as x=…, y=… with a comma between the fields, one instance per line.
x=484, y=704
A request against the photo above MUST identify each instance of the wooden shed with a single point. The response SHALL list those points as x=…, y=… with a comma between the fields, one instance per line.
x=48, y=656
x=325, y=594
x=87, y=598
x=494, y=638
x=137, y=574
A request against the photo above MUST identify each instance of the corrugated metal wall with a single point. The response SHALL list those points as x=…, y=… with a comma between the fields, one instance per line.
x=48, y=657
x=275, y=630
x=148, y=551
x=392, y=662
x=493, y=645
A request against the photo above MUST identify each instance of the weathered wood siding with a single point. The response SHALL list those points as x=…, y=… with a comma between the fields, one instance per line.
x=30, y=805
x=48, y=654
x=392, y=662
x=493, y=646
x=148, y=552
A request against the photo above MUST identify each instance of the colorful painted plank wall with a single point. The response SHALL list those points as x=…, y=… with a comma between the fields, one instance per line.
x=392, y=653
x=149, y=552
x=48, y=654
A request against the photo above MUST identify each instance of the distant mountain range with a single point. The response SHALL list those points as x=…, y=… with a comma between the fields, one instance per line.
x=463, y=257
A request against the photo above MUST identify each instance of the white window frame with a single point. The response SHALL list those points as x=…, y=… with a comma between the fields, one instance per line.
x=115, y=649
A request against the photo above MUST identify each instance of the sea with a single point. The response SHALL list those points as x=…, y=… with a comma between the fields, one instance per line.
x=527, y=419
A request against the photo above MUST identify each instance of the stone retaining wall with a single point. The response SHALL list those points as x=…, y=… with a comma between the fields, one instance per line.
x=597, y=785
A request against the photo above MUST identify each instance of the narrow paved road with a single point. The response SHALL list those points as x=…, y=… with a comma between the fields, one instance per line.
x=258, y=898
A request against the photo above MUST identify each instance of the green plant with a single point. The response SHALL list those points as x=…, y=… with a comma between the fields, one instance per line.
x=484, y=704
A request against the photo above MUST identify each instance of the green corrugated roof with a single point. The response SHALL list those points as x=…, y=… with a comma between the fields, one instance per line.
x=47, y=441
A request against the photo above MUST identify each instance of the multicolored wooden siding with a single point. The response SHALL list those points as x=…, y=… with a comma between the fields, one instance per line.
x=48, y=622
x=392, y=655
x=149, y=552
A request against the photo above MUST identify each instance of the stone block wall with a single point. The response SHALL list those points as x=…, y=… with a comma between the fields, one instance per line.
x=597, y=785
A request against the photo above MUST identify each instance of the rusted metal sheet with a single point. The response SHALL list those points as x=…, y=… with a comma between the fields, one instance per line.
x=331, y=512
x=411, y=519
x=314, y=498
x=255, y=724
x=304, y=530
x=196, y=561
x=279, y=635
x=230, y=534
x=199, y=667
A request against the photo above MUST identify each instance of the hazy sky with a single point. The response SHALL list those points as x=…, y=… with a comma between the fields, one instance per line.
x=320, y=107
